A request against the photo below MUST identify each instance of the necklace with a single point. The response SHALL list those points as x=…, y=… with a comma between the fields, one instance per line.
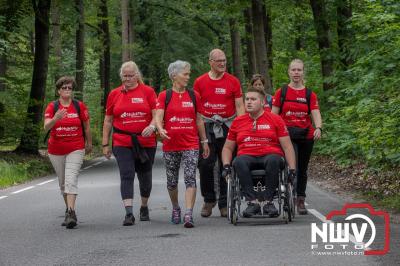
x=180, y=92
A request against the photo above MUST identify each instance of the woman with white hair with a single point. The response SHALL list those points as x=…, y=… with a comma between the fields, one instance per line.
x=179, y=124
x=130, y=112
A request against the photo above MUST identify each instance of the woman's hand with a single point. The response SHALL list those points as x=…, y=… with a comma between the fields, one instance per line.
x=60, y=114
x=317, y=133
x=88, y=148
x=206, y=150
x=148, y=131
x=163, y=134
x=107, y=152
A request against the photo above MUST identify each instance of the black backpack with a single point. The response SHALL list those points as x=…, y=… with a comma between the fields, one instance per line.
x=283, y=98
x=56, y=106
x=168, y=96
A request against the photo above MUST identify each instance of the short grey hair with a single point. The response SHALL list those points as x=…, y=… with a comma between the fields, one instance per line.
x=133, y=66
x=177, y=67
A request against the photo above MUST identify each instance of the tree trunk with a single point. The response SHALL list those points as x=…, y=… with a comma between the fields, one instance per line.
x=126, y=33
x=56, y=41
x=324, y=42
x=236, y=51
x=259, y=43
x=250, y=49
x=104, y=34
x=80, y=50
x=268, y=35
x=344, y=31
x=299, y=42
x=30, y=136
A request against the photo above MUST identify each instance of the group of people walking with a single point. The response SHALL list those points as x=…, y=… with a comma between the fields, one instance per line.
x=204, y=128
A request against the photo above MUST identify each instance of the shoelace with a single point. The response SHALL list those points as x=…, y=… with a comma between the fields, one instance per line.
x=176, y=213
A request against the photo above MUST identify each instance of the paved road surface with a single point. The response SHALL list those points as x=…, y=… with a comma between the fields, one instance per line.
x=31, y=214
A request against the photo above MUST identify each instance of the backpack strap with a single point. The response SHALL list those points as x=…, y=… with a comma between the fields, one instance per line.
x=283, y=96
x=56, y=105
x=308, y=98
x=168, y=96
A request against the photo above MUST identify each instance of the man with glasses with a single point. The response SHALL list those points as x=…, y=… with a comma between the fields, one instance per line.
x=221, y=101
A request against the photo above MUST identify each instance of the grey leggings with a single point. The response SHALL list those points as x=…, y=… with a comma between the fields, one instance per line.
x=172, y=164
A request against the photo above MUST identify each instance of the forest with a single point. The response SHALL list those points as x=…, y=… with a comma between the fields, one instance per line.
x=350, y=49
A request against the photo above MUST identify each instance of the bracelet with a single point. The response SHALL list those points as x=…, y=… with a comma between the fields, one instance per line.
x=105, y=145
x=153, y=127
x=204, y=141
x=319, y=128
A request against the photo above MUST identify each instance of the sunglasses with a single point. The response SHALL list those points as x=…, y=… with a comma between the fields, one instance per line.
x=66, y=88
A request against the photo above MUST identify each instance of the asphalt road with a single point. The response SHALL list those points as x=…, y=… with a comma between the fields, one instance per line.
x=31, y=214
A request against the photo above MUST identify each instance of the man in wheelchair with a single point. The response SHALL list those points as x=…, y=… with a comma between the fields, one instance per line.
x=262, y=140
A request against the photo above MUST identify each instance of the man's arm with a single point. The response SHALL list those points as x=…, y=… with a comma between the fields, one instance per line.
x=227, y=151
x=289, y=151
x=239, y=105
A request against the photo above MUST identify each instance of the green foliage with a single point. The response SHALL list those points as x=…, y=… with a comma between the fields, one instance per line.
x=16, y=169
x=362, y=114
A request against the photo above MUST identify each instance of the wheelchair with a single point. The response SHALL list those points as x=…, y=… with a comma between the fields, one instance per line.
x=284, y=194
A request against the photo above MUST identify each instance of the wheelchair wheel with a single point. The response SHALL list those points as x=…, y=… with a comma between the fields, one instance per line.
x=292, y=204
x=230, y=199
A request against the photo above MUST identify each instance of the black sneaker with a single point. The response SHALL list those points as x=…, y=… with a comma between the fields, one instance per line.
x=144, y=213
x=71, y=220
x=64, y=223
x=269, y=209
x=252, y=209
x=129, y=220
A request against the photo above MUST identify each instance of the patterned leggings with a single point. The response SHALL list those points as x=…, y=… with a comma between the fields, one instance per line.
x=172, y=164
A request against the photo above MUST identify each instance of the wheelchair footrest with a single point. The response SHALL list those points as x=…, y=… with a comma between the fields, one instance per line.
x=260, y=216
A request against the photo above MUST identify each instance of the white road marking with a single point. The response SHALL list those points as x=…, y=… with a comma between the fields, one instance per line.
x=45, y=182
x=3, y=197
x=324, y=220
x=305, y=203
x=87, y=167
x=24, y=189
x=97, y=163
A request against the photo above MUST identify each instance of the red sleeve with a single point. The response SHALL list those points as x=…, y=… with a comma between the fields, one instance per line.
x=84, y=115
x=281, y=130
x=110, y=103
x=199, y=106
x=232, y=133
x=314, y=102
x=161, y=100
x=276, y=100
x=49, y=113
x=237, y=90
x=152, y=98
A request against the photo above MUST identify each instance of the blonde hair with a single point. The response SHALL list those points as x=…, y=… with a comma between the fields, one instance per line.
x=131, y=65
x=296, y=60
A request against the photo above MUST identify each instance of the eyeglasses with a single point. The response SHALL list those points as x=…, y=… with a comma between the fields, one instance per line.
x=66, y=88
x=129, y=76
x=218, y=61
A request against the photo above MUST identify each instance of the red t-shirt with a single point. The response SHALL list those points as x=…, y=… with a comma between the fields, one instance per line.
x=261, y=140
x=295, y=114
x=66, y=135
x=218, y=96
x=131, y=111
x=180, y=121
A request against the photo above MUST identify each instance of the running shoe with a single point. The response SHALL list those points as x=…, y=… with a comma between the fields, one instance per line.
x=176, y=216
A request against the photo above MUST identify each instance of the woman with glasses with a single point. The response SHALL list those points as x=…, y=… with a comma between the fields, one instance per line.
x=130, y=113
x=68, y=122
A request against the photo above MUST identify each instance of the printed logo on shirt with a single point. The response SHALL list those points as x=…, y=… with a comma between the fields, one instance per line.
x=220, y=91
x=187, y=104
x=137, y=100
x=67, y=128
x=250, y=139
x=302, y=100
x=297, y=114
x=184, y=120
x=132, y=114
x=74, y=115
x=261, y=127
x=215, y=105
